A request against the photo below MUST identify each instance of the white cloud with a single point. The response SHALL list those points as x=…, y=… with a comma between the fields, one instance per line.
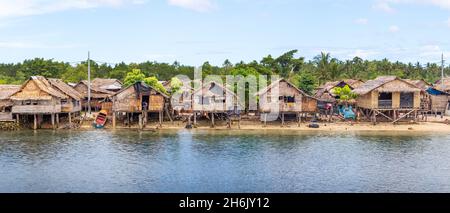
x=394, y=29
x=19, y=8
x=364, y=54
x=432, y=51
x=196, y=5
x=383, y=6
x=386, y=5
x=362, y=21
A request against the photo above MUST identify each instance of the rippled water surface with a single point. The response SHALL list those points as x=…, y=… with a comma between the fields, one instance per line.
x=206, y=161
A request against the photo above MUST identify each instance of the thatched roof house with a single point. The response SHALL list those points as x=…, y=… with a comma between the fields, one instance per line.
x=37, y=96
x=181, y=100
x=97, y=92
x=324, y=92
x=72, y=103
x=439, y=100
x=101, y=90
x=289, y=99
x=214, y=97
x=139, y=97
x=388, y=92
x=5, y=92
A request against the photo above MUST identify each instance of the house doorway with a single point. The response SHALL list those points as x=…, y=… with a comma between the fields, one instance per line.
x=145, y=102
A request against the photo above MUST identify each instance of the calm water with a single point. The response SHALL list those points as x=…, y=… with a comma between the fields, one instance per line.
x=203, y=161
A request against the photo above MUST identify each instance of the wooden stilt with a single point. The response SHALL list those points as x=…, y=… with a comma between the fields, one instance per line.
x=57, y=120
x=239, y=121
x=212, y=120
x=298, y=119
x=70, y=118
x=282, y=119
x=18, y=118
x=53, y=120
x=114, y=120
x=141, y=125
x=35, y=122
x=160, y=118
x=195, y=119
x=128, y=120
x=265, y=119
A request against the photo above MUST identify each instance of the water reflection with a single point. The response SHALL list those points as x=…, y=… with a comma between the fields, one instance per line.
x=223, y=161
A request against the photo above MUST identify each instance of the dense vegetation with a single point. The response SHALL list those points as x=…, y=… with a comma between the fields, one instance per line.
x=306, y=74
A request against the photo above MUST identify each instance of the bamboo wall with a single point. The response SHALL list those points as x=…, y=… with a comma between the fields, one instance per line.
x=365, y=101
x=395, y=100
x=309, y=104
x=438, y=103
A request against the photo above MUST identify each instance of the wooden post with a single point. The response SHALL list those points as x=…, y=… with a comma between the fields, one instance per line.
x=53, y=120
x=195, y=119
x=35, y=122
x=57, y=120
x=128, y=120
x=239, y=122
x=18, y=118
x=212, y=120
x=70, y=118
x=141, y=121
x=114, y=120
x=282, y=119
x=160, y=118
x=298, y=119
x=265, y=119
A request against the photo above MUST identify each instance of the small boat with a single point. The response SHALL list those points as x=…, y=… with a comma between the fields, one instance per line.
x=100, y=121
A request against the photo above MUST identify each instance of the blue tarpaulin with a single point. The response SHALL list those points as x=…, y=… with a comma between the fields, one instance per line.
x=347, y=112
x=433, y=91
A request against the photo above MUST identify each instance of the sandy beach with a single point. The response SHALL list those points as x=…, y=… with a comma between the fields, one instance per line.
x=432, y=125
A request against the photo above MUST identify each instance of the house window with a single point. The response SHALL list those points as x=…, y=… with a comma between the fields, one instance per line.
x=64, y=101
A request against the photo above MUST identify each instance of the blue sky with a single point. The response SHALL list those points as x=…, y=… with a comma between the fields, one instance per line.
x=194, y=31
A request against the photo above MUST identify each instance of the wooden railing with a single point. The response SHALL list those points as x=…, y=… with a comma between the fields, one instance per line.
x=385, y=104
x=36, y=109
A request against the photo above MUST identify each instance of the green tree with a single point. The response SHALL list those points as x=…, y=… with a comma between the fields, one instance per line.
x=134, y=76
x=154, y=82
x=345, y=93
x=305, y=81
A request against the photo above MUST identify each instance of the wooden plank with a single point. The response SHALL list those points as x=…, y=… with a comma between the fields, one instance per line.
x=403, y=116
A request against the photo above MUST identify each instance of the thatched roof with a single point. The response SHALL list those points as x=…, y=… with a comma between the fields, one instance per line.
x=354, y=83
x=107, y=83
x=65, y=88
x=446, y=87
x=277, y=82
x=206, y=89
x=96, y=88
x=422, y=84
x=381, y=83
x=43, y=84
x=143, y=87
x=7, y=90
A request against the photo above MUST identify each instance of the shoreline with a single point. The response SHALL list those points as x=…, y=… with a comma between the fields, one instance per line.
x=324, y=127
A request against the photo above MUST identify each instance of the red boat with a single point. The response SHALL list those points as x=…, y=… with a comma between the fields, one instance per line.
x=100, y=121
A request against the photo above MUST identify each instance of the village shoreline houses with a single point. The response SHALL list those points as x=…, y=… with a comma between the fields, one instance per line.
x=46, y=103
